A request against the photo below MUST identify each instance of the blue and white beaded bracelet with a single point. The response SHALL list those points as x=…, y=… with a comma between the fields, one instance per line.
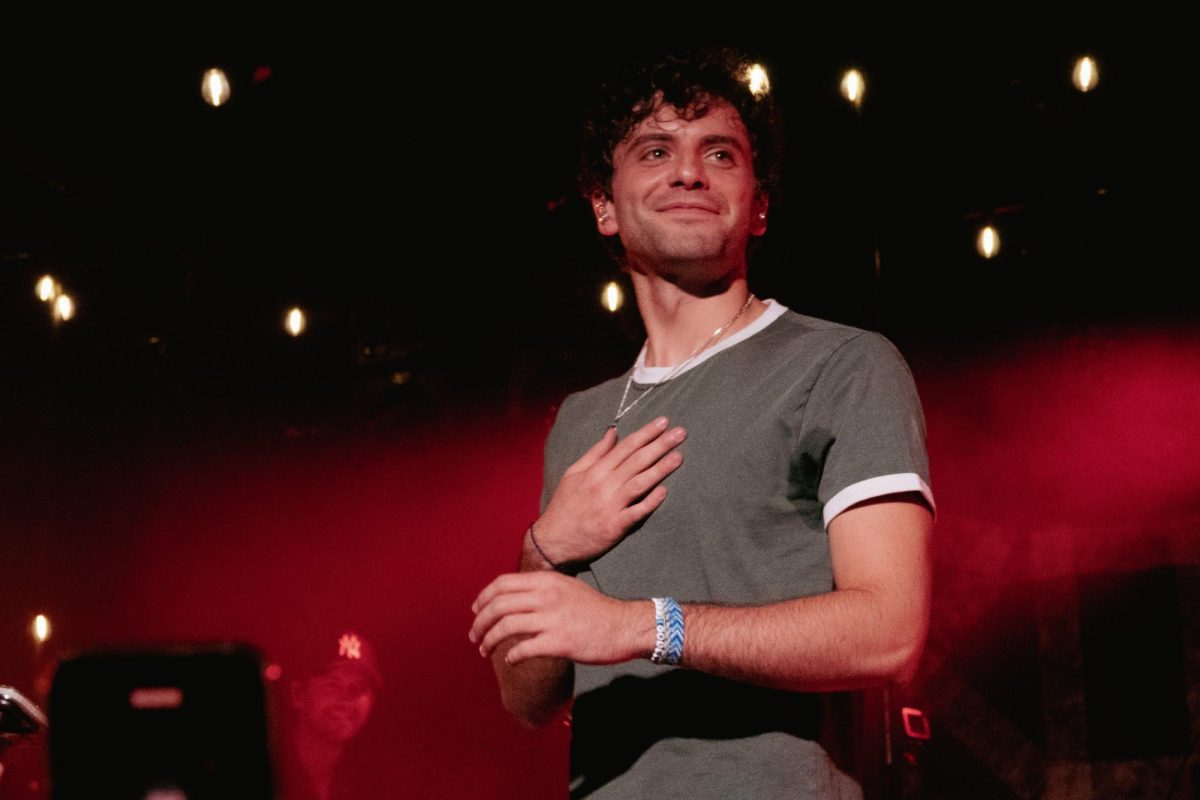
x=668, y=631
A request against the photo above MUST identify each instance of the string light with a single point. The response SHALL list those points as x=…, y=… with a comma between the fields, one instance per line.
x=612, y=297
x=64, y=307
x=41, y=628
x=757, y=81
x=853, y=87
x=295, y=322
x=1085, y=75
x=214, y=87
x=47, y=289
x=988, y=242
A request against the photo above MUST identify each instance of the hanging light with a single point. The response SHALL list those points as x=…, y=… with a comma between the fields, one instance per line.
x=988, y=242
x=64, y=307
x=214, y=87
x=295, y=321
x=41, y=628
x=47, y=289
x=757, y=81
x=853, y=87
x=612, y=297
x=1086, y=74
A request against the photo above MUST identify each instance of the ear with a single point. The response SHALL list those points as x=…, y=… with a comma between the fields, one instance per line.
x=758, y=222
x=606, y=218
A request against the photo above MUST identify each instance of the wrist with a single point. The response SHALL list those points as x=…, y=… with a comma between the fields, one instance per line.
x=668, y=631
x=548, y=556
x=532, y=557
x=640, y=628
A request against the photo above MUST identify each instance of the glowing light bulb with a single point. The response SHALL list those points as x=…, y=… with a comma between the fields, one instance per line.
x=64, y=307
x=853, y=87
x=214, y=87
x=1085, y=75
x=41, y=628
x=612, y=297
x=988, y=242
x=47, y=289
x=295, y=323
x=757, y=80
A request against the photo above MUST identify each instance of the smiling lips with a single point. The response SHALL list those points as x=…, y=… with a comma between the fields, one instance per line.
x=688, y=206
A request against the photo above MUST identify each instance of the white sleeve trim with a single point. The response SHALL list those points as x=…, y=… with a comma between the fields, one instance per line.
x=877, y=487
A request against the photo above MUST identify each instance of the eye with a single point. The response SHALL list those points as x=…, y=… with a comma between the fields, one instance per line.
x=655, y=154
x=723, y=156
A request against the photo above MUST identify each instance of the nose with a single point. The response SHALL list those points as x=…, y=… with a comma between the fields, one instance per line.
x=689, y=171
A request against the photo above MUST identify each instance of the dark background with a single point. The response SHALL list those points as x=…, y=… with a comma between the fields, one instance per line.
x=174, y=466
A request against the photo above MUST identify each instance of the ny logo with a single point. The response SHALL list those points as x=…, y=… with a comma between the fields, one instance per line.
x=349, y=646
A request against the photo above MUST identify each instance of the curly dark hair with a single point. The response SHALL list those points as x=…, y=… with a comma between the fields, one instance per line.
x=691, y=81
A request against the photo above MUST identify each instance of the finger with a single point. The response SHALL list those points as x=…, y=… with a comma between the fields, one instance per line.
x=532, y=647
x=596, y=451
x=643, y=482
x=525, y=624
x=511, y=582
x=500, y=606
x=651, y=453
x=635, y=441
x=639, y=511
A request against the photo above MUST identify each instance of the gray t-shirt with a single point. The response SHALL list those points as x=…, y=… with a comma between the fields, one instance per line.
x=785, y=429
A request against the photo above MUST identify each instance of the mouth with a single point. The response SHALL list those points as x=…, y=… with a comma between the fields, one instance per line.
x=341, y=713
x=693, y=209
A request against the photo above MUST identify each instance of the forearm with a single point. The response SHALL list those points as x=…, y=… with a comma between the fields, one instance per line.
x=869, y=631
x=537, y=690
x=846, y=639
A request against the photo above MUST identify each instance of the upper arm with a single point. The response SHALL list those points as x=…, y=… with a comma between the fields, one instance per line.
x=863, y=427
x=881, y=546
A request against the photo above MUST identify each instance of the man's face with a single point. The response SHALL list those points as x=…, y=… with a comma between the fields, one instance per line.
x=684, y=200
x=335, y=705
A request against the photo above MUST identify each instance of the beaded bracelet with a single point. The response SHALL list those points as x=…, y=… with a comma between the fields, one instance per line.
x=668, y=631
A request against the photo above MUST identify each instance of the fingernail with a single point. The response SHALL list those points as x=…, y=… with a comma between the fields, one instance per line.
x=471, y=635
x=678, y=434
x=661, y=422
x=481, y=651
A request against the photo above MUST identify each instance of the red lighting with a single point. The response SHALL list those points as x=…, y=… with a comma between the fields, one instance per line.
x=156, y=697
x=916, y=724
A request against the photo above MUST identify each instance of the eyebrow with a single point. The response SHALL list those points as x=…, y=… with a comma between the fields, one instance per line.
x=710, y=139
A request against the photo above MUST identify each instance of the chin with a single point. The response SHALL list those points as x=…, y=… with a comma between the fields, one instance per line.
x=341, y=734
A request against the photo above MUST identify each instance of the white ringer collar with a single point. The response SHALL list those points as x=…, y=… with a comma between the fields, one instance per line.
x=643, y=374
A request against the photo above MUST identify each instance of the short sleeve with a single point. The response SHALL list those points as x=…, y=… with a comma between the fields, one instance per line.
x=863, y=426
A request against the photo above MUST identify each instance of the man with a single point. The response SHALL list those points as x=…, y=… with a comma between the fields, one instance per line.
x=331, y=697
x=696, y=584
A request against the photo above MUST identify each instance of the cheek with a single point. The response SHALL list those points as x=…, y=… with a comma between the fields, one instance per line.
x=364, y=706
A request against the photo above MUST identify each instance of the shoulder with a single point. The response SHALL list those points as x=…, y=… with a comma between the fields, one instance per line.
x=813, y=349
x=824, y=338
x=587, y=403
x=581, y=419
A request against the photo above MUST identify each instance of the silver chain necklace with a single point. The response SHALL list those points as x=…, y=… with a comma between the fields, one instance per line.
x=623, y=409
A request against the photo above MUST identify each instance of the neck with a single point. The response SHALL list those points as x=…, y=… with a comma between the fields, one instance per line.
x=678, y=322
x=319, y=757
